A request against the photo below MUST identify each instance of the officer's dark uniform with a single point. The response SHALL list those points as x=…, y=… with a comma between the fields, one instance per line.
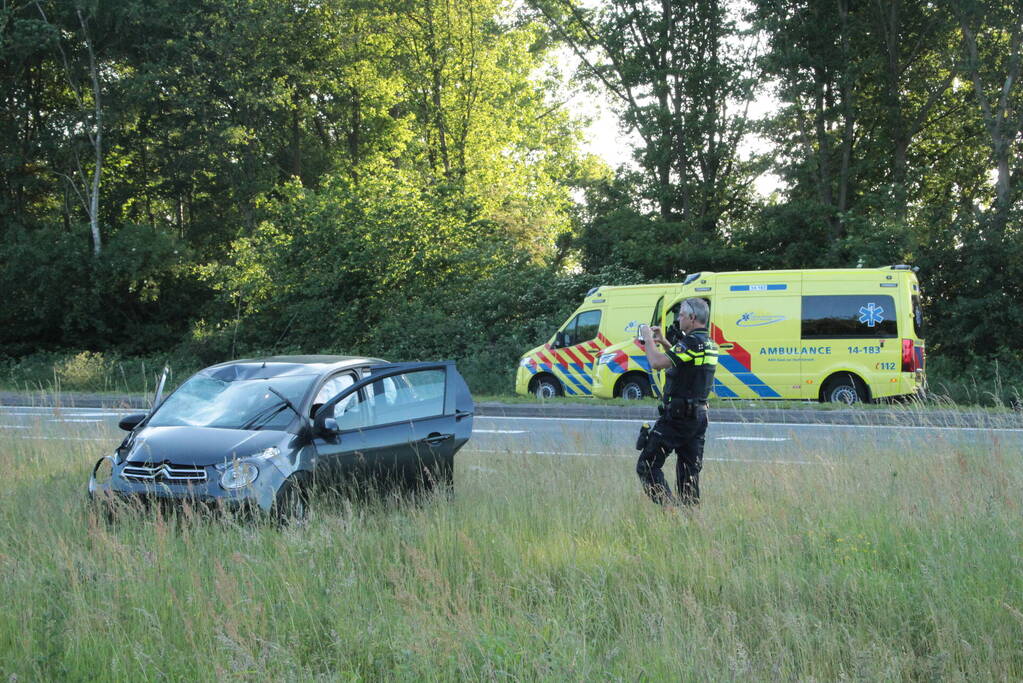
x=683, y=422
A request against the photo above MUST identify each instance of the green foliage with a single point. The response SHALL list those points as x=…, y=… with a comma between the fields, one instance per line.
x=139, y=291
x=298, y=176
x=487, y=323
x=232, y=129
x=996, y=379
x=327, y=265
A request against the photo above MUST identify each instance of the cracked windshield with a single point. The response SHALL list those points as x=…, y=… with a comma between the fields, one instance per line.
x=205, y=401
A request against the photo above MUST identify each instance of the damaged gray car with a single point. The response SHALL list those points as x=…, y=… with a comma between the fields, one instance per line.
x=261, y=433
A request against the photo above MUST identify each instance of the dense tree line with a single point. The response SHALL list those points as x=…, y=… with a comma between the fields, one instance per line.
x=402, y=177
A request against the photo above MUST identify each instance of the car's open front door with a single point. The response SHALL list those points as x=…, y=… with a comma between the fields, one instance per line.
x=404, y=422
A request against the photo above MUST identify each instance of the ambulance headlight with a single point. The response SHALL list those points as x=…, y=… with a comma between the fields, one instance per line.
x=525, y=362
x=605, y=358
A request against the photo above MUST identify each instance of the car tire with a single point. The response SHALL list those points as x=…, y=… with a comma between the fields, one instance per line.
x=842, y=389
x=547, y=387
x=291, y=504
x=634, y=388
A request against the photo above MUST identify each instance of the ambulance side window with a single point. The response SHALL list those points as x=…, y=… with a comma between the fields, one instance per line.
x=656, y=319
x=672, y=315
x=582, y=328
x=589, y=324
x=849, y=317
x=918, y=317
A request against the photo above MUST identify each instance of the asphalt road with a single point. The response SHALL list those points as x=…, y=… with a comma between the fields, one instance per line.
x=727, y=440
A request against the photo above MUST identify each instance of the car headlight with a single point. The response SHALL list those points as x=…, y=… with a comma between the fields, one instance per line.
x=605, y=358
x=525, y=362
x=238, y=475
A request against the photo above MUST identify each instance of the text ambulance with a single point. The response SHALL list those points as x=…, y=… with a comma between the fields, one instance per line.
x=607, y=316
x=842, y=335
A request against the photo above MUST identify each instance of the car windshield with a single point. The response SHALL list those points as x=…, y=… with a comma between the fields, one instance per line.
x=205, y=401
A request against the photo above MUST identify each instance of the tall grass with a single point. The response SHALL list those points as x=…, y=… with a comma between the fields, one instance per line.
x=876, y=566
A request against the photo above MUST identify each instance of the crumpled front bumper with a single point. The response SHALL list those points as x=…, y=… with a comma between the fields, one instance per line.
x=260, y=493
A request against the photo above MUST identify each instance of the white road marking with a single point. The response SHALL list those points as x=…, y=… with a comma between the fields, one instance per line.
x=52, y=410
x=499, y=431
x=61, y=438
x=789, y=425
x=756, y=461
x=15, y=427
x=72, y=419
x=751, y=438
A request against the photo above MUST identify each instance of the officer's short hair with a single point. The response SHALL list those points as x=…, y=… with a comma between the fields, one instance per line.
x=697, y=308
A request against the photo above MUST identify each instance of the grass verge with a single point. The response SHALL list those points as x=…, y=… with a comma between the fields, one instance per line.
x=880, y=566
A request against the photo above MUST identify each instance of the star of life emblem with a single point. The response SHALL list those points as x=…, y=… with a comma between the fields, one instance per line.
x=871, y=314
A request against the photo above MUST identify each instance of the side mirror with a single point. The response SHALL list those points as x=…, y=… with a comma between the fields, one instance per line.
x=130, y=422
x=559, y=340
x=326, y=427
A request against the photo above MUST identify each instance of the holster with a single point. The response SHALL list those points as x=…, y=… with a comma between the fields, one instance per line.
x=682, y=408
x=643, y=438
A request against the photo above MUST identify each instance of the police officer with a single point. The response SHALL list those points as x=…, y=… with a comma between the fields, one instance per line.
x=690, y=362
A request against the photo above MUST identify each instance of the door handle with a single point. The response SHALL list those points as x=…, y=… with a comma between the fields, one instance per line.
x=459, y=414
x=726, y=346
x=436, y=438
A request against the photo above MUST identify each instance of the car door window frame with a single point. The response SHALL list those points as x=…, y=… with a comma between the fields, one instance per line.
x=383, y=372
x=352, y=373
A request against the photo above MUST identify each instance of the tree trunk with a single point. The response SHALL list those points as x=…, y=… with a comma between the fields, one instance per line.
x=96, y=139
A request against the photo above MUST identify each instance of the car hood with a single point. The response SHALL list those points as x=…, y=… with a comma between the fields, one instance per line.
x=200, y=445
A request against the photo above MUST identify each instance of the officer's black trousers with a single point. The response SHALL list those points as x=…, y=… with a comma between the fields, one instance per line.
x=686, y=437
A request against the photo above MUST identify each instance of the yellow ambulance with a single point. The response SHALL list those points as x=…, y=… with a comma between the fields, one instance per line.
x=841, y=335
x=608, y=315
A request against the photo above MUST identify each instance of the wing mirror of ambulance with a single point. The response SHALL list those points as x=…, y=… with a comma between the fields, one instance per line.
x=559, y=340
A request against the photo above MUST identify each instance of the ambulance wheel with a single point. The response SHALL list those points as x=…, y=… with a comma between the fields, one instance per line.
x=546, y=387
x=634, y=387
x=844, y=388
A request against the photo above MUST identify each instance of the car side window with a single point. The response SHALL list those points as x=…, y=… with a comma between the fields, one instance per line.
x=331, y=388
x=409, y=396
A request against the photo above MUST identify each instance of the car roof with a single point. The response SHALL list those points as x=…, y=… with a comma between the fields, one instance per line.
x=276, y=366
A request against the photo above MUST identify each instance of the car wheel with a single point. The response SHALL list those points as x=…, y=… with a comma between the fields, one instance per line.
x=547, y=387
x=635, y=388
x=842, y=390
x=291, y=503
